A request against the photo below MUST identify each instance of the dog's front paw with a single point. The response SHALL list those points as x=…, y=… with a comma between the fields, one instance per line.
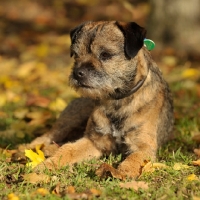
x=130, y=171
x=132, y=165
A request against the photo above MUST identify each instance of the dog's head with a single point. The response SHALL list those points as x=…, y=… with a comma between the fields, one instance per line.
x=105, y=56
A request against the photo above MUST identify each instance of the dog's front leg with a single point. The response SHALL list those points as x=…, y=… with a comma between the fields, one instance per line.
x=142, y=151
x=70, y=153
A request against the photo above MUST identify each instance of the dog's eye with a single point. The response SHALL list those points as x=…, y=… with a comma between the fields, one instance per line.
x=105, y=56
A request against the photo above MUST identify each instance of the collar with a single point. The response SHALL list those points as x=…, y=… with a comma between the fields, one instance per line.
x=120, y=95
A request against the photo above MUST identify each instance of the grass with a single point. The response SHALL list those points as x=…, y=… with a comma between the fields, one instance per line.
x=164, y=183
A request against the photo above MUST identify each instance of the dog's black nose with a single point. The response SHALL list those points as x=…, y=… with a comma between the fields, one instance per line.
x=79, y=73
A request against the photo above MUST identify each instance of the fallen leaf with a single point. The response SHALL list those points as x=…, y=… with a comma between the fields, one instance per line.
x=191, y=73
x=197, y=152
x=197, y=162
x=151, y=167
x=38, y=101
x=180, y=166
x=3, y=114
x=58, y=105
x=135, y=185
x=196, y=138
x=70, y=189
x=95, y=192
x=26, y=69
x=42, y=191
x=106, y=170
x=13, y=196
x=42, y=50
x=56, y=190
x=38, y=118
x=192, y=177
x=195, y=198
x=88, y=194
x=3, y=100
x=36, y=178
x=35, y=158
x=39, y=115
x=18, y=126
x=8, y=153
x=20, y=113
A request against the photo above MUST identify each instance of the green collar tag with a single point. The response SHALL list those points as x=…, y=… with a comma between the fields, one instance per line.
x=149, y=44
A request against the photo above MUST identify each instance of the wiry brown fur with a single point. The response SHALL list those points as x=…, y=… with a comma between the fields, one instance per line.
x=134, y=124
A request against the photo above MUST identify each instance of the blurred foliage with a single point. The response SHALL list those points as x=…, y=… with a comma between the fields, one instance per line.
x=35, y=62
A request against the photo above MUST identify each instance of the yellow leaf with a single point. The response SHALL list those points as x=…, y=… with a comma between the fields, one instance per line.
x=58, y=105
x=42, y=50
x=20, y=113
x=35, y=158
x=42, y=191
x=195, y=198
x=151, y=167
x=26, y=69
x=3, y=99
x=192, y=177
x=12, y=196
x=191, y=73
x=179, y=166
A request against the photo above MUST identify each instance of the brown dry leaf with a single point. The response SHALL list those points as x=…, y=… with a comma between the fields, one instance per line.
x=95, y=192
x=38, y=117
x=56, y=190
x=135, y=185
x=151, y=167
x=197, y=152
x=35, y=178
x=38, y=101
x=197, y=162
x=106, y=170
x=70, y=190
x=8, y=154
x=38, y=114
x=3, y=114
x=71, y=193
x=196, y=138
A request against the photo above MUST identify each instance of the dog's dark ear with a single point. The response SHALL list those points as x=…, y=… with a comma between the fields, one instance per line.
x=74, y=32
x=134, y=37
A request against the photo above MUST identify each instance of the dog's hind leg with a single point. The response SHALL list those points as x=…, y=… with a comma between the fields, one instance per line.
x=71, y=124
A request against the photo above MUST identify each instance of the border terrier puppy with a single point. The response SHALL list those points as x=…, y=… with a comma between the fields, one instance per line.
x=127, y=106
